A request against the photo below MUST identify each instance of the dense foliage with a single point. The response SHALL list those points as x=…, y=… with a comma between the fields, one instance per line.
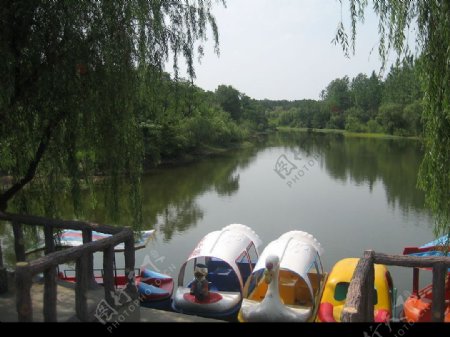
x=361, y=104
x=178, y=119
x=69, y=96
x=84, y=98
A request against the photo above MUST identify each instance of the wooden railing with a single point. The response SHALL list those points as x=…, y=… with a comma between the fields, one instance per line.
x=359, y=306
x=82, y=255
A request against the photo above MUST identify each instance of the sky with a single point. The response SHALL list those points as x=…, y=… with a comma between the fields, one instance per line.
x=281, y=49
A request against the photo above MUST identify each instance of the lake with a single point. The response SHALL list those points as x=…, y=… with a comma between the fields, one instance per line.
x=350, y=193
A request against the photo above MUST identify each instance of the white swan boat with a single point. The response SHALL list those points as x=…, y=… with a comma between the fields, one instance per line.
x=287, y=282
x=229, y=256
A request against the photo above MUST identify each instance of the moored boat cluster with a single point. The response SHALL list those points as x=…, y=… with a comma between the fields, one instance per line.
x=226, y=277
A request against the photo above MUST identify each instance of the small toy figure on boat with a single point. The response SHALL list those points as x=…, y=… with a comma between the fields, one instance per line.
x=222, y=260
x=200, y=286
x=287, y=282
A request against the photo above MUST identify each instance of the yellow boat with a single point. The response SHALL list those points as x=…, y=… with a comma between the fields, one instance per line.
x=336, y=287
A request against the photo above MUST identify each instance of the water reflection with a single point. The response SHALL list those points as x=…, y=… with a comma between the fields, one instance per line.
x=241, y=186
x=363, y=161
x=169, y=195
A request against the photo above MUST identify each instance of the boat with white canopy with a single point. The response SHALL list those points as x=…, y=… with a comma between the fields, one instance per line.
x=224, y=258
x=287, y=282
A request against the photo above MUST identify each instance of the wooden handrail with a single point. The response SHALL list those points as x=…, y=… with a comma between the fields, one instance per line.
x=83, y=255
x=359, y=303
x=33, y=220
x=410, y=261
x=70, y=254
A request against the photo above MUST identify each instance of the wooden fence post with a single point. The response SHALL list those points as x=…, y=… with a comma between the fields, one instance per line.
x=131, y=288
x=438, y=304
x=50, y=295
x=87, y=237
x=18, y=242
x=81, y=288
x=415, y=281
x=356, y=304
x=370, y=286
x=3, y=274
x=50, y=286
x=23, y=292
x=129, y=266
x=108, y=274
x=1, y=254
x=49, y=240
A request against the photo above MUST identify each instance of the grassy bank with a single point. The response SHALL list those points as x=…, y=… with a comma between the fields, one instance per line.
x=344, y=133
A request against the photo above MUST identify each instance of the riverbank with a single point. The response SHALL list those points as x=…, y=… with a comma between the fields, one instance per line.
x=346, y=133
x=207, y=151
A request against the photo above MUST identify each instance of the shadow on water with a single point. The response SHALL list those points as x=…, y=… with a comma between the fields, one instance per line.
x=169, y=195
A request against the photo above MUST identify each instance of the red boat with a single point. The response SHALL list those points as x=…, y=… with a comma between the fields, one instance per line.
x=417, y=307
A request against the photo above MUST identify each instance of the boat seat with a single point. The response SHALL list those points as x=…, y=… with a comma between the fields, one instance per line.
x=287, y=293
x=302, y=294
x=214, y=264
x=223, y=271
x=224, y=279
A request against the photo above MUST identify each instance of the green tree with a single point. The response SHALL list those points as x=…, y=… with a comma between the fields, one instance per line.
x=391, y=118
x=337, y=95
x=402, y=84
x=71, y=73
x=432, y=20
x=229, y=100
x=366, y=93
x=412, y=114
x=254, y=113
x=321, y=116
x=354, y=120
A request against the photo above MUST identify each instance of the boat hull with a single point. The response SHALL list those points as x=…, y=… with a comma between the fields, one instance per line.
x=154, y=289
x=418, y=308
x=219, y=304
x=294, y=313
x=153, y=286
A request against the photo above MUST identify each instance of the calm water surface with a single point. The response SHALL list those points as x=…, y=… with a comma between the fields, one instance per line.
x=352, y=194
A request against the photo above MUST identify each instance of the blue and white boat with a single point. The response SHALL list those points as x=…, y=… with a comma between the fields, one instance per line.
x=229, y=256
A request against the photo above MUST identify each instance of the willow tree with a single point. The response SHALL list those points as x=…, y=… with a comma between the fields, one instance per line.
x=70, y=71
x=430, y=20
